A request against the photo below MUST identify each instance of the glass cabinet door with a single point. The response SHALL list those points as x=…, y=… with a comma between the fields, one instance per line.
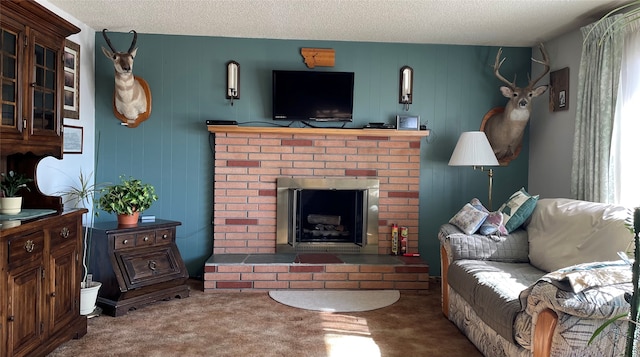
x=10, y=123
x=45, y=94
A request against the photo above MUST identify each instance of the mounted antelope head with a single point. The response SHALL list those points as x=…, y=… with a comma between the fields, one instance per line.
x=131, y=97
x=505, y=128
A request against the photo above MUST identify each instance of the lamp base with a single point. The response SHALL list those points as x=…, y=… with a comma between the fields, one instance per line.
x=490, y=173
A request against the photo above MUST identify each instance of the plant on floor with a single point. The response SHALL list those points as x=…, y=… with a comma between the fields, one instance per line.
x=83, y=195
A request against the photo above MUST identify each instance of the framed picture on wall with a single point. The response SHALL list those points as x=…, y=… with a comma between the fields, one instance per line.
x=72, y=139
x=559, y=94
x=71, y=93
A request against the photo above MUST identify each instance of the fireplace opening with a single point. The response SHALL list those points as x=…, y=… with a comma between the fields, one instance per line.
x=327, y=215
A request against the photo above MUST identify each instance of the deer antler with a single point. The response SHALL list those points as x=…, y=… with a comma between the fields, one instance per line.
x=545, y=62
x=104, y=34
x=496, y=70
x=133, y=43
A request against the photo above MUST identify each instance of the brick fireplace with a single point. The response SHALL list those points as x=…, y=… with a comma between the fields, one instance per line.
x=249, y=161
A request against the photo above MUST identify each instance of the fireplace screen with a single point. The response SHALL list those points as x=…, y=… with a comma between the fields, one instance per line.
x=327, y=216
x=330, y=215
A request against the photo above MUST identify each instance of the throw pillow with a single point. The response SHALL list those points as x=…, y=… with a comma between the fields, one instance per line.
x=494, y=222
x=475, y=202
x=493, y=225
x=517, y=209
x=469, y=219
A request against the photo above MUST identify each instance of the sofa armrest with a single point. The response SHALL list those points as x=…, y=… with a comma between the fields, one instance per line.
x=543, y=334
x=564, y=321
x=512, y=248
x=444, y=280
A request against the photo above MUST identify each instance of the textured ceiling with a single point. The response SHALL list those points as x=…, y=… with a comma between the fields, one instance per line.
x=464, y=22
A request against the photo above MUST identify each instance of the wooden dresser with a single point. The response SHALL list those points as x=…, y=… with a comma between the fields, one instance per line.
x=40, y=255
x=40, y=260
x=136, y=265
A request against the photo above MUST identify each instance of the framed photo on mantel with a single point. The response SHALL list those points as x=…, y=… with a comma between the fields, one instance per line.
x=406, y=122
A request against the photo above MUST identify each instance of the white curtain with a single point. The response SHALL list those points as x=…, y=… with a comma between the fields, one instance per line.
x=592, y=176
x=625, y=141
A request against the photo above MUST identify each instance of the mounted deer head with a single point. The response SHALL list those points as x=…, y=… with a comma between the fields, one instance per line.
x=505, y=129
x=131, y=98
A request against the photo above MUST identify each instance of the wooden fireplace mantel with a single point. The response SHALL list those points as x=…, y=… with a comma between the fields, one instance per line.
x=315, y=131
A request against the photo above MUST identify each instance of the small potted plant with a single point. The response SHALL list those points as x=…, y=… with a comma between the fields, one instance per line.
x=11, y=184
x=127, y=199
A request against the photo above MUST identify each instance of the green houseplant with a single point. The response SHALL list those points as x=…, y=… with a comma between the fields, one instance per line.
x=83, y=195
x=11, y=184
x=127, y=199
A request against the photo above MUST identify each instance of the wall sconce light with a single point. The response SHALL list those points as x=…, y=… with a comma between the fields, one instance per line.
x=233, y=80
x=406, y=86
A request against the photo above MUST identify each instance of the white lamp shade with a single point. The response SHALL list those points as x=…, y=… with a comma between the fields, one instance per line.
x=473, y=149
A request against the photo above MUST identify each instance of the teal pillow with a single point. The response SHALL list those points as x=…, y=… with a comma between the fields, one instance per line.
x=517, y=209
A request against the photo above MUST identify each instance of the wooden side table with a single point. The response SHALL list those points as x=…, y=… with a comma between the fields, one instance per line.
x=136, y=265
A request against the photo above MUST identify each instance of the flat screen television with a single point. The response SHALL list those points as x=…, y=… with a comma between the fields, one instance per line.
x=312, y=96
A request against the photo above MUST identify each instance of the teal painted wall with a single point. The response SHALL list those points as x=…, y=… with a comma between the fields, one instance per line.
x=454, y=87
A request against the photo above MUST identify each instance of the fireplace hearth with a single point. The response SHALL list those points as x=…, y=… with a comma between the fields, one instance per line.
x=335, y=215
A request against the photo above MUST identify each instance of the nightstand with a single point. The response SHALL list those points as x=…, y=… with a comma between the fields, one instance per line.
x=136, y=265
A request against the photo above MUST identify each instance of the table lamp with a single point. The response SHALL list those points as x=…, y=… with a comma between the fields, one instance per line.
x=473, y=149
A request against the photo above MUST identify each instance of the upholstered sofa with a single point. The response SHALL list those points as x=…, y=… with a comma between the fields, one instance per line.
x=544, y=287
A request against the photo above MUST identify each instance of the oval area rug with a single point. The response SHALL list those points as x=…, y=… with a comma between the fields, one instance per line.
x=336, y=300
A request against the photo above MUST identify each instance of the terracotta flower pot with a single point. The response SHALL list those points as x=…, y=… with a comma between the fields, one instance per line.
x=128, y=219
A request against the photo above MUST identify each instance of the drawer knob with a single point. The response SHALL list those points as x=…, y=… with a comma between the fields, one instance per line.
x=152, y=265
x=125, y=241
x=146, y=239
x=53, y=294
x=29, y=246
x=164, y=236
x=11, y=318
x=64, y=232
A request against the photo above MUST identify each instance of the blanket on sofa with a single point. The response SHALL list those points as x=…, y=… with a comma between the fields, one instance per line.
x=593, y=290
x=583, y=276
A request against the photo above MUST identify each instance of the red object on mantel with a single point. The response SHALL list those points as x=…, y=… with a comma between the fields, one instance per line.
x=411, y=254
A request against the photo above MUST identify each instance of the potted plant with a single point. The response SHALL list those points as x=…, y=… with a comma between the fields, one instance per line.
x=83, y=195
x=11, y=184
x=127, y=199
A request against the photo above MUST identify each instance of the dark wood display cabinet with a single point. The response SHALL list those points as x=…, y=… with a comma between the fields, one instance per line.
x=40, y=248
x=136, y=265
x=41, y=264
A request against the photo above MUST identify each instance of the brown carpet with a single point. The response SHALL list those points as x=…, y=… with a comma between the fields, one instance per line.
x=252, y=324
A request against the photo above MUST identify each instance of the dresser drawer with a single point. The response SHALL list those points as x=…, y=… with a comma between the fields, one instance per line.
x=64, y=232
x=122, y=241
x=145, y=238
x=25, y=249
x=164, y=236
x=137, y=239
x=149, y=266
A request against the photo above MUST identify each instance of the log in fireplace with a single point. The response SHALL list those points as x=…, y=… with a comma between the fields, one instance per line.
x=336, y=215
